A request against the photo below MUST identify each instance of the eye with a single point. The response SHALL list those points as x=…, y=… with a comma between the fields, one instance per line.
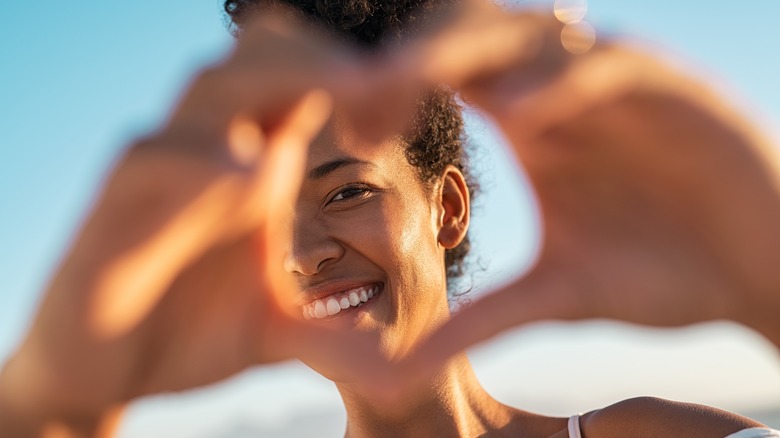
x=353, y=191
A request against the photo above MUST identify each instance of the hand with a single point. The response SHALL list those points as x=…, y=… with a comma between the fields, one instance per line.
x=660, y=203
x=176, y=278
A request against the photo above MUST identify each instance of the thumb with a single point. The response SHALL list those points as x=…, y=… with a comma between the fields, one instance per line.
x=281, y=174
x=287, y=147
x=538, y=296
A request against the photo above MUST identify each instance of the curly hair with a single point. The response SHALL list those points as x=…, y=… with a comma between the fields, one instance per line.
x=437, y=138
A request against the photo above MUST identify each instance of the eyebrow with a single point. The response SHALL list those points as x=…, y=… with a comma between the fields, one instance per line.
x=325, y=169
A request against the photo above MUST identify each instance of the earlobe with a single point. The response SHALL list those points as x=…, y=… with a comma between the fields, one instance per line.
x=455, y=210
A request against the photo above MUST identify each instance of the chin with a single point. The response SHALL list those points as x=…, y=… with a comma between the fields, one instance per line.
x=346, y=375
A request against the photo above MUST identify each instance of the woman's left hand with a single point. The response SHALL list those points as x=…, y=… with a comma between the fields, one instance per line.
x=660, y=203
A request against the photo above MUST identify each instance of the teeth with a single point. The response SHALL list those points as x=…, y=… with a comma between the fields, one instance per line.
x=337, y=302
x=333, y=306
x=354, y=300
x=319, y=310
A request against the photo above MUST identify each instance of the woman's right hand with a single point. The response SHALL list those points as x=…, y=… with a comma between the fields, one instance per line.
x=173, y=283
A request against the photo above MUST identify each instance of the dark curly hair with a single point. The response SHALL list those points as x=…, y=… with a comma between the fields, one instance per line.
x=437, y=138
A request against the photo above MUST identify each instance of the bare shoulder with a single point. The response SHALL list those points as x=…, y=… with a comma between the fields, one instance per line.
x=652, y=417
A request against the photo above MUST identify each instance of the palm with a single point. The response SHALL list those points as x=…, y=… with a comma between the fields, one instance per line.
x=652, y=204
x=659, y=204
x=214, y=315
x=633, y=213
x=655, y=195
x=211, y=321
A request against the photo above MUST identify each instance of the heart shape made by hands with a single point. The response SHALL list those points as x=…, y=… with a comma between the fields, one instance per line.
x=659, y=203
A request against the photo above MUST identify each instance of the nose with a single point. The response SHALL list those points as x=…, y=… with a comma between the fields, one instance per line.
x=312, y=250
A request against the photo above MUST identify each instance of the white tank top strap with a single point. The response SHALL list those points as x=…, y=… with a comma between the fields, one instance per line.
x=756, y=432
x=574, y=426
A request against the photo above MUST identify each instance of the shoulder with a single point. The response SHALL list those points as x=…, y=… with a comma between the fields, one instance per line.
x=652, y=417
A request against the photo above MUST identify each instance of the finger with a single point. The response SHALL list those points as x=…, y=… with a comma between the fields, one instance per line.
x=536, y=297
x=593, y=81
x=268, y=72
x=278, y=29
x=279, y=181
x=221, y=94
x=212, y=195
x=514, y=65
x=479, y=42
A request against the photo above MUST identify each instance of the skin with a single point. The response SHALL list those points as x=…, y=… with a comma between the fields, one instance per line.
x=374, y=221
x=365, y=236
x=180, y=261
x=211, y=217
x=659, y=199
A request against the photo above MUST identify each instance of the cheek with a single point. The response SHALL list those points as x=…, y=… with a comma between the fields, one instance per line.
x=409, y=243
x=416, y=241
x=399, y=236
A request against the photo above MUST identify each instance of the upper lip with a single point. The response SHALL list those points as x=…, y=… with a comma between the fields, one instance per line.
x=312, y=293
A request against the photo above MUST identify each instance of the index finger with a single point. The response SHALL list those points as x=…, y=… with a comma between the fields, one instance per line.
x=479, y=40
x=538, y=296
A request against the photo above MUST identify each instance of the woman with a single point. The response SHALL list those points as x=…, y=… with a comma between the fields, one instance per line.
x=378, y=226
x=161, y=290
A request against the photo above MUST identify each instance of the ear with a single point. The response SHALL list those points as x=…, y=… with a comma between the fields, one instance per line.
x=455, y=208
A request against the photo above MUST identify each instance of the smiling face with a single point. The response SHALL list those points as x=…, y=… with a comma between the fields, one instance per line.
x=369, y=239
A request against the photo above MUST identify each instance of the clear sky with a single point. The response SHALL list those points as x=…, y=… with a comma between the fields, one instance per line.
x=79, y=79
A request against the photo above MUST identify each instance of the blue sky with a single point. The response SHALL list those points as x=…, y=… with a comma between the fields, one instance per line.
x=78, y=80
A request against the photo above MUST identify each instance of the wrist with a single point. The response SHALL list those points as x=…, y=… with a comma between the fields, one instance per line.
x=765, y=322
x=14, y=420
x=757, y=309
x=24, y=413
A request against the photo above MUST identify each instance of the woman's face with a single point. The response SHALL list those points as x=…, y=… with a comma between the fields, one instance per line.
x=366, y=247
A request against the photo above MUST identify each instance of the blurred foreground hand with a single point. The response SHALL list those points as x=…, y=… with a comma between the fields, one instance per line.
x=660, y=202
x=176, y=279
x=660, y=205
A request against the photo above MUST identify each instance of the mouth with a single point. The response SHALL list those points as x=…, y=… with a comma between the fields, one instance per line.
x=339, y=302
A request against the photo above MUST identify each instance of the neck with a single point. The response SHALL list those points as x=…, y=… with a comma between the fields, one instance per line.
x=454, y=405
